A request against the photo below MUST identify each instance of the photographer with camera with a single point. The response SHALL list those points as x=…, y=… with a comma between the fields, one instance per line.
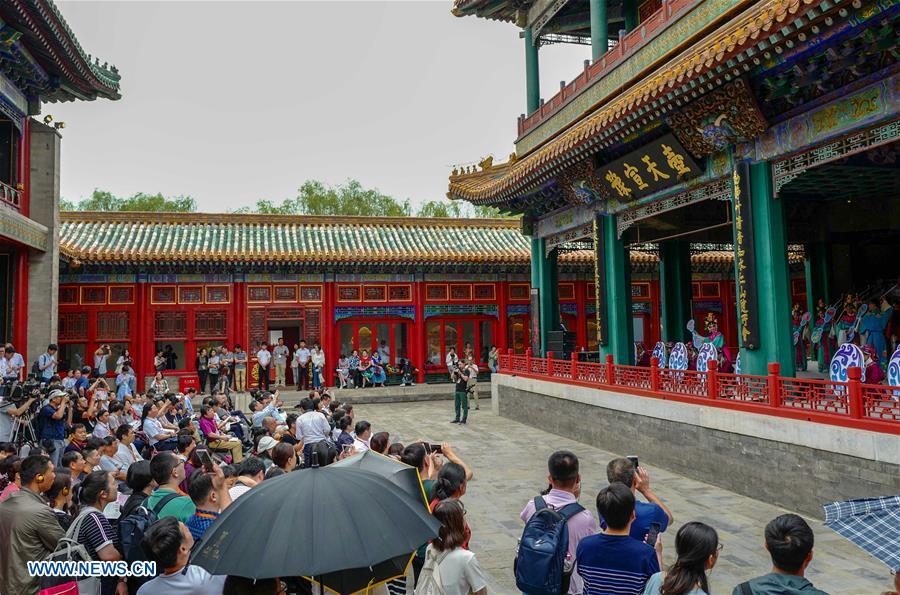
x=460, y=377
x=101, y=355
x=10, y=410
x=46, y=363
x=53, y=424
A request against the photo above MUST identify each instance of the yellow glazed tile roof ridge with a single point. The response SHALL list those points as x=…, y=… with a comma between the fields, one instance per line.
x=702, y=55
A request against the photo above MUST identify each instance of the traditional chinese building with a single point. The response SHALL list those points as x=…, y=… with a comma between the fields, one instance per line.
x=40, y=61
x=760, y=125
x=148, y=280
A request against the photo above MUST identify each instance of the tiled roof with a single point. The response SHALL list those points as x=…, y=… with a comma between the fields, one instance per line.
x=745, y=30
x=184, y=238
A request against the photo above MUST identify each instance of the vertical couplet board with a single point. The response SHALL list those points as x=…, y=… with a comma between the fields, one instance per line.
x=536, y=321
x=744, y=258
x=600, y=280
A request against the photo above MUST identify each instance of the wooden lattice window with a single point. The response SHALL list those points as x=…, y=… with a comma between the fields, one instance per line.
x=312, y=325
x=259, y=293
x=460, y=292
x=285, y=313
x=113, y=326
x=68, y=295
x=400, y=293
x=311, y=293
x=162, y=295
x=567, y=291
x=285, y=293
x=257, y=323
x=640, y=290
x=72, y=326
x=436, y=292
x=121, y=295
x=170, y=325
x=375, y=293
x=349, y=293
x=190, y=295
x=93, y=295
x=210, y=324
x=484, y=291
x=218, y=294
x=518, y=291
x=710, y=290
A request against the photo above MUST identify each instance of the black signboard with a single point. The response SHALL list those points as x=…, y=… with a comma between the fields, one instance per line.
x=535, y=322
x=600, y=279
x=744, y=258
x=653, y=167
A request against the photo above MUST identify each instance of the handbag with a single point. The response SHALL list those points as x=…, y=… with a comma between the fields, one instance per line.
x=69, y=550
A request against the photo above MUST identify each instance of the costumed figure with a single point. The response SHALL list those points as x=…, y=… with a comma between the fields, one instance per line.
x=378, y=375
x=366, y=368
x=872, y=327
x=641, y=355
x=874, y=373
x=798, y=326
x=845, y=323
x=822, y=337
x=711, y=324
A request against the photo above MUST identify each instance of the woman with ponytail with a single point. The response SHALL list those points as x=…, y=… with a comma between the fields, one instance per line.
x=451, y=484
x=93, y=530
x=60, y=497
x=697, y=546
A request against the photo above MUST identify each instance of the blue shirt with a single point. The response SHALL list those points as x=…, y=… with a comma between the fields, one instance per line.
x=200, y=522
x=615, y=564
x=644, y=514
x=54, y=429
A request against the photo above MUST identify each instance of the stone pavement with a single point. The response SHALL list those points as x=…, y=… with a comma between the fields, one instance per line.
x=509, y=464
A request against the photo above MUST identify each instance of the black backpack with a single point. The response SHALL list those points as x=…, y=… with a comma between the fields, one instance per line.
x=133, y=526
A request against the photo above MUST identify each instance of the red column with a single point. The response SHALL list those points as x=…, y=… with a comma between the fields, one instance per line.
x=420, y=343
x=581, y=326
x=142, y=346
x=240, y=315
x=712, y=380
x=503, y=340
x=329, y=337
x=610, y=370
x=774, y=384
x=855, y=404
x=654, y=374
x=20, y=301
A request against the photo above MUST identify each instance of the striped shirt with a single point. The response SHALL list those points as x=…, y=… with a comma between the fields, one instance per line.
x=615, y=564
x=96, y=533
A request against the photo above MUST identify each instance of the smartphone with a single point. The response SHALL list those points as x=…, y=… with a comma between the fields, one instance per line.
x=633, y=459
x=434, y=448
x=347, y=449
x=205, y=460
x=652, y=534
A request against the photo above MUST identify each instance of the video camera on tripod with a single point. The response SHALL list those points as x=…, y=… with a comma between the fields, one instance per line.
x=15, y=392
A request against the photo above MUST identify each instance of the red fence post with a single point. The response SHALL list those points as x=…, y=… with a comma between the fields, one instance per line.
x=855, y=400
x=528, y=361
x=550, y=363
x=574, y=366
x=774, y=384
x=712, y=379
x=654, y=373
x=610, y=370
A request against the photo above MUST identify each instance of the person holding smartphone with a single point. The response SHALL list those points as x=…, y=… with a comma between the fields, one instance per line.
x=637, y=478
x=209, y=493
x=214, y=438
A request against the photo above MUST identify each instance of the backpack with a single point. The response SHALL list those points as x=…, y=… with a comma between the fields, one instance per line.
x=430, y=582
x=36, y=368
x=540, y=562
x=132, y=528
x=69, y=550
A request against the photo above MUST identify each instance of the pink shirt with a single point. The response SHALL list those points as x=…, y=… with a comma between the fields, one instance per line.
x=208, y=426
x=9, y=489
x=580, y=526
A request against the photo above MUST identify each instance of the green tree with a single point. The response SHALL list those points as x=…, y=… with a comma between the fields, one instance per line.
x=349, y=198
x=101, y=200
x=443, y=208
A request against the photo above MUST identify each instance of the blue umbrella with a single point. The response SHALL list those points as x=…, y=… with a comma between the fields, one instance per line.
x=871, y=523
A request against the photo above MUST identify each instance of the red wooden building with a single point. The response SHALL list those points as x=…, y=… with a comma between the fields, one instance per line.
x=148, y=280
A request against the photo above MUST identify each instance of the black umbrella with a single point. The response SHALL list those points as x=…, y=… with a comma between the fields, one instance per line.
x=316, y=522
x=400, y=474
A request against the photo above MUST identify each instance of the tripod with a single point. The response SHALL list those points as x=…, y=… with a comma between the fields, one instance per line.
x=24, y=434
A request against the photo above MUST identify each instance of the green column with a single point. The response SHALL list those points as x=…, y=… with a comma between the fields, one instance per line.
x=773, y=294
x=599, y=29
x=620, y=329
x=544, y=277
x=675, y=288
x=630, y=12
x=532, y=78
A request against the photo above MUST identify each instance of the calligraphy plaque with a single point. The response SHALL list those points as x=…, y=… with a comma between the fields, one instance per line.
x=744, y=258
x=536, y=322
x=600, y=297
x=654, y=167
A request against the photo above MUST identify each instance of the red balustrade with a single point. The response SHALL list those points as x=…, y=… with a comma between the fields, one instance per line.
x=850, y=403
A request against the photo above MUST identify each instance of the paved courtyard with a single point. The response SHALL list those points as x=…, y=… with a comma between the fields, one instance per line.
x=509, y=463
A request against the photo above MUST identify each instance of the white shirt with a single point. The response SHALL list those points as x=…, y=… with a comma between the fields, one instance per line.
x=451, y=359
x=460, y=572
x=318, y=359
x=7, y=368
x=101, y=430
x=152, y=428
x=128, y=454
x=195, y=581
x=303, y=355
x=238, y=489
x=264, y=357
x=312, y=427
x=281, y=353
x=360, y=445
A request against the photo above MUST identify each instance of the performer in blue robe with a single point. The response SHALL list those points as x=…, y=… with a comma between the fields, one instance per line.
x=873, y=325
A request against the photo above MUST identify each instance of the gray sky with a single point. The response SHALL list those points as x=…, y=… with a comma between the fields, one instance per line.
x=231, y=102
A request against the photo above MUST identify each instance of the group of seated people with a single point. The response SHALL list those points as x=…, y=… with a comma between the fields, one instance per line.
x=361, y=369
